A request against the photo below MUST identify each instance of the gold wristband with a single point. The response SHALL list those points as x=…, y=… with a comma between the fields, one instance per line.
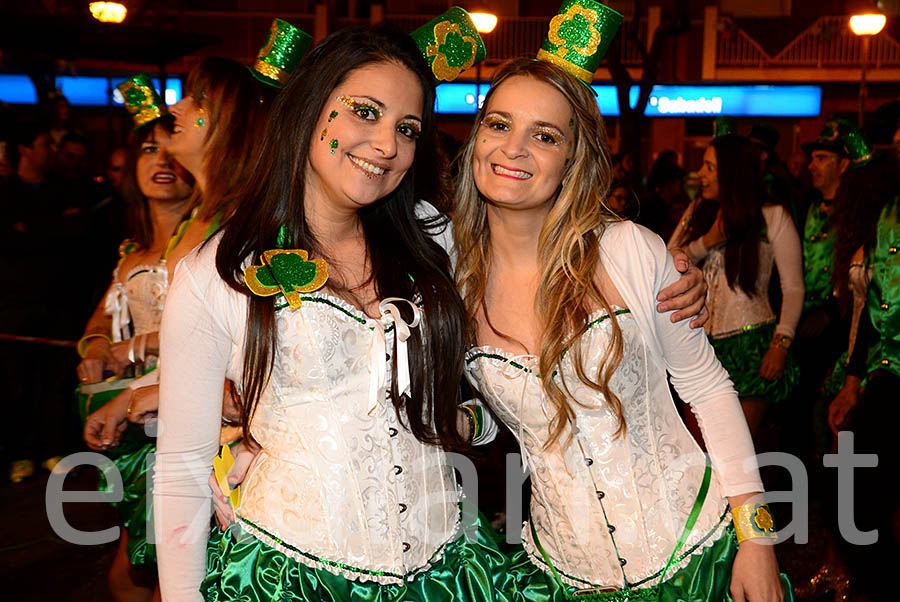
x=81, y=347
x=473, y=420
x=752, y=521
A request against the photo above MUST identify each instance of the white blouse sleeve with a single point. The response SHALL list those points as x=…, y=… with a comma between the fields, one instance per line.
x=789, y=261
x=641, y=266
x=195, y=347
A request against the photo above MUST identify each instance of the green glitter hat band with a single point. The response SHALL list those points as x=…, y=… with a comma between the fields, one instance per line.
x=579, y=36
x=857, y=147
x=141, y=100
x=724, y=125
x=281, y=53
x=450, y=44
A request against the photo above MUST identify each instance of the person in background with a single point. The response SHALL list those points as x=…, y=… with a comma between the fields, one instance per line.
x=115, y=167
x=35, y=237
x=661, y=209
x=122, y=334
x=622, y=201
x=751, y=234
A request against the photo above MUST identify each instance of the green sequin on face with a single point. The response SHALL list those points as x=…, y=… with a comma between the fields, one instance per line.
x=332, y=115
x=571, y=123
x=484, y=141
x=333, y=144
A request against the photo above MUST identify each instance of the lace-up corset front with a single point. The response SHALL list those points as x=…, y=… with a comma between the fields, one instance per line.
x=608, y=510
x=340, y=483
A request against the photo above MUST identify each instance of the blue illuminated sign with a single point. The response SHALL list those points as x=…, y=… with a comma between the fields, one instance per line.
x=677, y=101
x=89, y=91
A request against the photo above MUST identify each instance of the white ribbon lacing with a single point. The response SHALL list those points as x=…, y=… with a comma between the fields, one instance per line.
x=378, y=351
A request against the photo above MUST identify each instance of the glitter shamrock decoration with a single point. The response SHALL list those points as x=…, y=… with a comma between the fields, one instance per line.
x=286, y=271
x=141, y=100
x=450, y=44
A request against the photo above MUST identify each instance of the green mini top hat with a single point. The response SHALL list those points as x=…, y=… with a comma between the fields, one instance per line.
x=579, y=36
x=142, y=101
x=284, y=47
x=450, y=43
x=723, y=125
x=764, y=135
x=844, y=138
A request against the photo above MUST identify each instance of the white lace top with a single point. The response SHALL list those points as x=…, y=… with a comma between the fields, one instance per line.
x=731, y=309
x=610, y=510
x=339, y=483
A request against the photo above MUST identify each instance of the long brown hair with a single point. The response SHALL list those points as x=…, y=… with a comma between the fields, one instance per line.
x=237, y=106
x=405, y=261
x=741, y=198
x=568, y=245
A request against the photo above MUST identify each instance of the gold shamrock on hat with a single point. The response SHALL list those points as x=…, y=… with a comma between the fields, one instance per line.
x=566, y=33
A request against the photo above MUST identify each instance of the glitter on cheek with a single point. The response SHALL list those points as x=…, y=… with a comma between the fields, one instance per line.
x=332, y=115
x=571, y=123
x=324, y=133
x=333, y=144
x=484, y=141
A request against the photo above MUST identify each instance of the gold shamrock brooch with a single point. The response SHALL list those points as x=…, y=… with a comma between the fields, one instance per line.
x=286, y=271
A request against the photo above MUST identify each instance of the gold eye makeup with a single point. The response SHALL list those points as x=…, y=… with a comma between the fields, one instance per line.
x=496, y=122
x=411, y=128
x=550, y=136
x=361, y=106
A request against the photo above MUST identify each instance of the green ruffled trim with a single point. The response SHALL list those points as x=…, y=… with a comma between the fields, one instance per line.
x=242, y=567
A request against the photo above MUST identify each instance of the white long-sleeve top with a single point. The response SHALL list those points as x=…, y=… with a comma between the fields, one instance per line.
x=609, y=510
x=339, y=484
x=731, y=309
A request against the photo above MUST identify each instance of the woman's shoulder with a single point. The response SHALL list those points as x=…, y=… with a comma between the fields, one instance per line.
x=199, y=264
x=777, y=218
x=623, y=238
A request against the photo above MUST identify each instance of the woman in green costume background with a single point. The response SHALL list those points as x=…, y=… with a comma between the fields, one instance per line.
x=215, y=144
x=122, y=335
x=750, y=237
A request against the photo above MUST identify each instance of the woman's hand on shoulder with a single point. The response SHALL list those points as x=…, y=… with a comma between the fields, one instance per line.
x=687, y=296
x=754, y=574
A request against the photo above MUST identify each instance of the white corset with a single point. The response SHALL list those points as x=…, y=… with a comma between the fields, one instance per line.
x=136, y=305
x=340, y=484
x=644, y=481
x=731, y=309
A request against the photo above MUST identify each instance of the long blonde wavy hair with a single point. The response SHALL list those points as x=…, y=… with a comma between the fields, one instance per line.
x=568, y=246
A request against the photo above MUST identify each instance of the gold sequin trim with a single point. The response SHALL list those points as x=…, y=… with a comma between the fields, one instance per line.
x=272, y=72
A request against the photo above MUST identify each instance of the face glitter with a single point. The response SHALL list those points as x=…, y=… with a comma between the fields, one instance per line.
x=333, y=144
x=332, y=116
x=200, y=121
x=324, y=133
x=358, y=105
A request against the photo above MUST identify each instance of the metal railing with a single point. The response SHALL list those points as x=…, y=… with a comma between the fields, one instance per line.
x=828, y=42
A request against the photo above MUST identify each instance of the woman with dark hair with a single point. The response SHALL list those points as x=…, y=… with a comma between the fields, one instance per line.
x=748, y=236
x=122, y=337
x=351, y=392
x=571, y=354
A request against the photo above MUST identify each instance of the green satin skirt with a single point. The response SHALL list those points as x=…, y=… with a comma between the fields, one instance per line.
x=136, y=505
x=243, y=568
x=742, y=355
x=706, y=578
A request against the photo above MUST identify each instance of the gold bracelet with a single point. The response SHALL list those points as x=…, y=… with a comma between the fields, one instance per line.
x=752, y=521
x=473, y=420
x=81, y=347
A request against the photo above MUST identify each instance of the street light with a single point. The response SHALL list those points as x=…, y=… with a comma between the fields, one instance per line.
x=865, y=26
x=108, y=12
x=484, y=23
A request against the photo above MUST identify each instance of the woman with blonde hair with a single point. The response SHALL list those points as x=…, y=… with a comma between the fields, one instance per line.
x=624, y=503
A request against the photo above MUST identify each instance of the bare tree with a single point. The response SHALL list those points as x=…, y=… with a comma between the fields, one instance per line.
x=632, y=122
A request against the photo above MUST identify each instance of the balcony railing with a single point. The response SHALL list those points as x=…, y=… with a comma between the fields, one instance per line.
x=828, y=42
